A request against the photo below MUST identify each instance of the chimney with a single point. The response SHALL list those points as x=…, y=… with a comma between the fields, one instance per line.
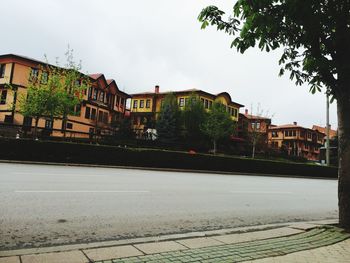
x=156, y=89
x=246, y=111
x=295, y=123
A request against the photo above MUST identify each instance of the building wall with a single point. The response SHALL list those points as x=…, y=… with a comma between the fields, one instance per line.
x=79, y=126
x=297, y=141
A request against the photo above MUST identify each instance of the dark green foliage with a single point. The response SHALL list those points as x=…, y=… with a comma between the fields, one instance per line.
x=168, y=122
x=193, y=117
x=63, y=152
x=218, y=124
x=311, y=33
x=124, y=129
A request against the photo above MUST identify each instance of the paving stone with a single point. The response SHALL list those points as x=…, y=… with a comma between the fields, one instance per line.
x=245, y=237
x=159, y=247
x=339, y=253
x=200, y=242
x=59, y=257
x=10, y=260
x=112, y=252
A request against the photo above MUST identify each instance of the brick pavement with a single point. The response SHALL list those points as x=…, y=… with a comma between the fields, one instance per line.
x=295, y=243
x=272, y=248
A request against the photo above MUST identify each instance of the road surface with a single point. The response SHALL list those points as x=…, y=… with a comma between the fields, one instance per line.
x=44, y=205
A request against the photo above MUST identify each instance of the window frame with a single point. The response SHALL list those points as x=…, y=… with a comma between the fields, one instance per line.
x=2, y=70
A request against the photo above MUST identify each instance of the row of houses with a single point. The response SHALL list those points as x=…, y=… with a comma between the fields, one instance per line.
x=104, y=105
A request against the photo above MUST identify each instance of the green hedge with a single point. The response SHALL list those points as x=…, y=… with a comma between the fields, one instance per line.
x=62, y=152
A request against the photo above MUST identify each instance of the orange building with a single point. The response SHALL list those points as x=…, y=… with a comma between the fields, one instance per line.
x=252, y=123
x=296, y=140
x=103, y=103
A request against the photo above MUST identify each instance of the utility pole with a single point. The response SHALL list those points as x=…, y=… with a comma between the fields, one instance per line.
x=327, y=132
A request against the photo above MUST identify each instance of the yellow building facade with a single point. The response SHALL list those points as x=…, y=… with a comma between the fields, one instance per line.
x=102, y=104
x=144, y=107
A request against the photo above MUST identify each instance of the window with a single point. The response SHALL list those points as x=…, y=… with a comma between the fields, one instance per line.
x=94, y=96
x=93, y=114
x=87, y=112
x=102, y=96
x=142, y=103
x=105, y=117
x=27, y=121
x=77, y=110
x=117, y=100
x=122, y=100
x=8, y=119
x=34, y=74
x=3, y=97
x=256, y=125
x=182, y=102
x=148, y=103
x=235, y=112
x=78, y=82
x=306, y=146
x=162, y=103
x=100, y=117
x=44, y=77
x=48, y=124
x=206, y=104
x=202, y=100
x=290, y=133
x=274, y=134
x=135, y=104
x=210, y=104
x=69, y=125
x=90, y=93
x=2, y=70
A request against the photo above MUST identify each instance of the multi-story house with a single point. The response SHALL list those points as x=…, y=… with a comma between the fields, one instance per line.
x=102, y=104
x=249, y=123
x=146, y=106
x=296, y=140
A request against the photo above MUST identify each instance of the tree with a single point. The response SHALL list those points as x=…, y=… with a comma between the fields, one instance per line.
x=218, y=124
x=41, y=100
x=168, y=122
x=56, y=92
x=315, y=37
x=74, y=84
x=193, y=116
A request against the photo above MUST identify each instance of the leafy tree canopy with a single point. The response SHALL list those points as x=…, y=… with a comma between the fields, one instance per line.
x=218, y=123
x=314, y=35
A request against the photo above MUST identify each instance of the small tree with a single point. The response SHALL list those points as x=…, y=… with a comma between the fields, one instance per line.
x=55, y=92
x=168, y=121
x=218, y=124
x=193, y=117
x=74, y=84
x=41, y=100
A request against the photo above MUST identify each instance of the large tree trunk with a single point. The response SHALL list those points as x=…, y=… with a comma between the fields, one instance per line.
x=214, y=150
x=344, y=160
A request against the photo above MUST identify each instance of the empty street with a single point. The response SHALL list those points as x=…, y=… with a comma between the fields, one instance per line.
x=45, y=205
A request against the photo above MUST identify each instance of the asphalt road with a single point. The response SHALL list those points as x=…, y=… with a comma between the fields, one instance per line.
x=43, y=205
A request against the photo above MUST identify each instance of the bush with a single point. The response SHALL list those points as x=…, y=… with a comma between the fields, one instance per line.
x=63, y=152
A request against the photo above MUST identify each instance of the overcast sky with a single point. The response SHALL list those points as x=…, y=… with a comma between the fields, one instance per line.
x=143, y=43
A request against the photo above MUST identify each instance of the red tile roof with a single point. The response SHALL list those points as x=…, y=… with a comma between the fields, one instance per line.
x=332, y=133
x=95, y=76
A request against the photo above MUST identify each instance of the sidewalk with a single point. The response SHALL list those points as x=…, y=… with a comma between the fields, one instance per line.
x=295, y=242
